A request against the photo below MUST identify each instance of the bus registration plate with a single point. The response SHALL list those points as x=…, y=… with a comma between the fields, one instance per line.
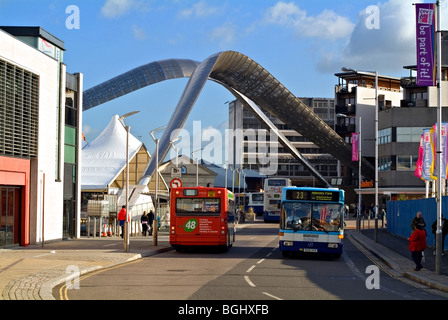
x=309, y=250
x=310, y=237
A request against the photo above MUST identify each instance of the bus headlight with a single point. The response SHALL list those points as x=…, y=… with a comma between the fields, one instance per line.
x=288, y=243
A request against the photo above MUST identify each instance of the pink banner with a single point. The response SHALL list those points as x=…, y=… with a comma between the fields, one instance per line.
x=427, y=162
x=355, y=146
x=419, y=170
x=426, y=67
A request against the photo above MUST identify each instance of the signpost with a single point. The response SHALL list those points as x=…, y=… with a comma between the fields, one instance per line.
x=176, y=183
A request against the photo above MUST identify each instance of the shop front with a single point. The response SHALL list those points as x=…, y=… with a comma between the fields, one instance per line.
x=14, y=201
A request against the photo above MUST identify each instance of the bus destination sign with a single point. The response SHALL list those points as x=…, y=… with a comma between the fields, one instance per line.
x=310, y=195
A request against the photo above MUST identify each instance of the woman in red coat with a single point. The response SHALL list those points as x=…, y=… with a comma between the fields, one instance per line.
x=417, y=243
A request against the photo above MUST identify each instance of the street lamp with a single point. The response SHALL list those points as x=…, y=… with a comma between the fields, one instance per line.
x=439, y=239
x=126, y=246
x=358, y=216
x=197, y=165
x=154, y=223
x=176, y=149
x=374, y=73
x=227, y=168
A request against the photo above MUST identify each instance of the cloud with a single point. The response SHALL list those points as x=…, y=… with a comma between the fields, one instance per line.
x=326, y=25
x=116, y=8
x=224, y=34
x=386, y=48
x=200, y=10
x=90, y=132
x=139, y=33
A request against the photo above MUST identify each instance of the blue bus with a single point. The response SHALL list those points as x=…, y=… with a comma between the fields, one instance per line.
x=312, y=220
x=256, y=202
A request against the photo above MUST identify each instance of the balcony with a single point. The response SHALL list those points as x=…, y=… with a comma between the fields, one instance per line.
x=419, y=103
x=346, y=109
x=345, y=128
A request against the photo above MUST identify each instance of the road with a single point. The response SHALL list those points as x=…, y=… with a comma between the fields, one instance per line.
x=253, y=269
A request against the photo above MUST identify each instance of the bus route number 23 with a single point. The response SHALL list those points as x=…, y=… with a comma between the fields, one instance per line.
x=190, y=225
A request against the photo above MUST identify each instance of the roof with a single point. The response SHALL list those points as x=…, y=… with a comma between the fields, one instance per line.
x=105, y=157
x=19, y=31
x=220, y=179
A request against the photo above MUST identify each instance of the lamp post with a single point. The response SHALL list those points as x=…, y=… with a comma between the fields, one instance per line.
x=197, y=165
x=227, y=168
x=176, y=149
x=126, y=228
x=358, y=216
x=439, y=242
x=375, y=74
x=155, y=222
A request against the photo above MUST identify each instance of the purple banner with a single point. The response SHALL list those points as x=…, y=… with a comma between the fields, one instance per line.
x=426, y=67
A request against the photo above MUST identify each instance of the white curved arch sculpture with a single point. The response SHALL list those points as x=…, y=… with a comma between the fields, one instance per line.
x=236, y=72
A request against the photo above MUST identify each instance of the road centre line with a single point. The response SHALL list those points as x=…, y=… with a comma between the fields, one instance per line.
x=249, y=282
x=111, y=244
x=250, y=269
x=260, y=261
x=272, y=296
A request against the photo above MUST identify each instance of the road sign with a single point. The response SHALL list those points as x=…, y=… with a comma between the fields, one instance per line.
x=176, y=183
x=176, y=172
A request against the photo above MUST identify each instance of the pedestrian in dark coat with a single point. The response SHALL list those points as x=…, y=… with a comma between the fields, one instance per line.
x=150, y=221
x=145, y=223
x=418, y=221
x=444, y=232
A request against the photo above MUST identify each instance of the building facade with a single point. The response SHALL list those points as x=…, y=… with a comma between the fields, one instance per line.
x=405, y=109
x=40, y=117
x=355, y=102
x=254, y=134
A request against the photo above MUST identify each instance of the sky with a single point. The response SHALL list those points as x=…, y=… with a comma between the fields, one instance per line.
x=301, y=43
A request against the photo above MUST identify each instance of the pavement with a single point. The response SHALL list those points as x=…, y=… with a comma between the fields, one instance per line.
x=31, y=273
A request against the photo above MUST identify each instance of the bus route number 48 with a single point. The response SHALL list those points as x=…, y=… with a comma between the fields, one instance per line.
x=190, y=225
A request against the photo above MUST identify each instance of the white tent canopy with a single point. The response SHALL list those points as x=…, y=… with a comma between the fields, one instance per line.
x=104, y=158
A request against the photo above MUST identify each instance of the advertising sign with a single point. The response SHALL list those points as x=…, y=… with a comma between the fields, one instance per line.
x=425, y=34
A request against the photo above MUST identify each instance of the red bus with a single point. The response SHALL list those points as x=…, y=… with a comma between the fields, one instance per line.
x=202, y=216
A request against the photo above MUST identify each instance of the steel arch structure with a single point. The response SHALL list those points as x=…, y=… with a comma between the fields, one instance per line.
x=137, y=78
x=236, y=72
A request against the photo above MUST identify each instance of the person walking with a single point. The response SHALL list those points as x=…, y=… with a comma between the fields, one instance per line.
x=144, y=220
x=444, y=233
x=122, y=218
x=417, y=244
x=150, y=221
x=418, y=221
